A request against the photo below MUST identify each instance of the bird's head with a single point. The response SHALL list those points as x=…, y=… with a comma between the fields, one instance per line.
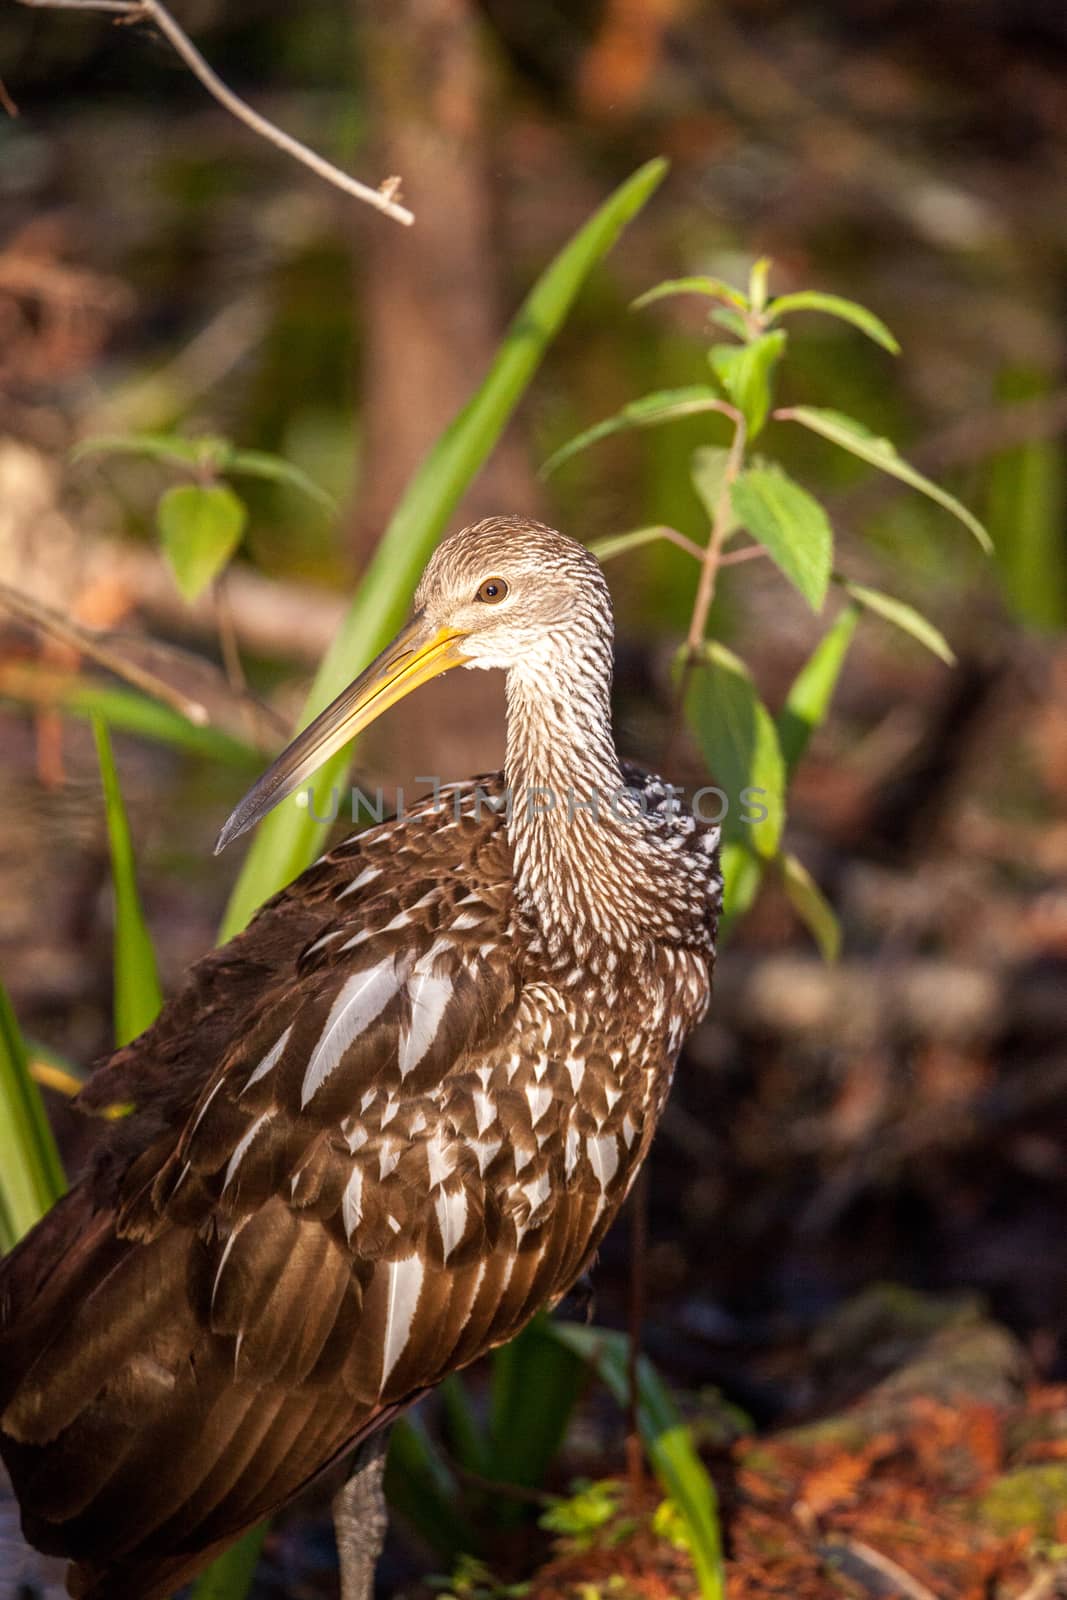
x=503, y=593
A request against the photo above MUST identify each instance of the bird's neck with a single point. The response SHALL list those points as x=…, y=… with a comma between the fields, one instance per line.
x=581, y=869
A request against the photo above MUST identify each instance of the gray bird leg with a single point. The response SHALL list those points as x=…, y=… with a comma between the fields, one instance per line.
x=360, y=1518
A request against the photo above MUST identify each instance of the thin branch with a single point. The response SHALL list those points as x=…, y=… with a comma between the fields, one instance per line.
x=751, y=552
x=712, y=559
x=382, y=199
x=6, y=101
x=690, y=546
x=58, y=627
x=886, y=1568
x=720, y=528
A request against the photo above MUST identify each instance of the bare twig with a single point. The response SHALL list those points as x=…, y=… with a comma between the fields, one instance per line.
x=1047, y=1584
x=382, y=199
x=690, y=546
x=56, y=626
x=751, y=552
x=897, y=1575
x=6, y=101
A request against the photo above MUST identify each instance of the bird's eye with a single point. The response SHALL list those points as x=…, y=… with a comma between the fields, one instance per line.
x=492, y=591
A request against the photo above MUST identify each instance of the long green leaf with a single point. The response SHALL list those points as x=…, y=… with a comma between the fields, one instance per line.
x=288, y=839
x=31, y=1174
x=834, y=306
x=168, y=447
x=716, y=288
x=536, y=1383
x=742, y=874
x=811, y=691
x=791, y=526
x=275, y=469
x=125, y=710
x=737, y=736
x=811, y=906
x=665, y=405
x=667, y=1441
x=618, y=544
x=138, y=995
x=902, y=616
x=881, y=453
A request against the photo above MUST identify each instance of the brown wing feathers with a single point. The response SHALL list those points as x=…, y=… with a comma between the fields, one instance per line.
x=359, y=1159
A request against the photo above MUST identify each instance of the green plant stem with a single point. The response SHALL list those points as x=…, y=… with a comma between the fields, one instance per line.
x=709, y=571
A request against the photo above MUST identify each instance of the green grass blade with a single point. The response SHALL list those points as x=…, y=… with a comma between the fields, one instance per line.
x=667, y=1441
x=31, y=1173
x=138, y=995
x=230, y=1575
x=288, y=840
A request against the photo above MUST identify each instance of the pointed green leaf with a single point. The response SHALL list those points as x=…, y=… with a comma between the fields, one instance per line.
x=261, y=464
x=790, y=524
x=618, y=544
x=716, y=288
x=737, y=736
x=535, y=1388
x=290, y=837
x=138, y=996
x=881, y=453
x=169, y=447
x=746, y=373
x=742, y=874
x=811, y=906
x=808, y=701
x=904, y=617
x=647, y=412
x=667, y=1441
x=201, y=526
x=757, y=283
x=31, y=1174
x=834, y=306
x=708, y=465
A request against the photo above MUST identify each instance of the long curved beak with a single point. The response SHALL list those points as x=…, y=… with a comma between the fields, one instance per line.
x=419, y=652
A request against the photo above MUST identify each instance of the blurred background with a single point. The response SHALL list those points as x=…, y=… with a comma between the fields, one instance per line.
x=899, y=1118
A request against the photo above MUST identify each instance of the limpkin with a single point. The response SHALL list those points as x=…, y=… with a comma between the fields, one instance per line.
x=379, y=1129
